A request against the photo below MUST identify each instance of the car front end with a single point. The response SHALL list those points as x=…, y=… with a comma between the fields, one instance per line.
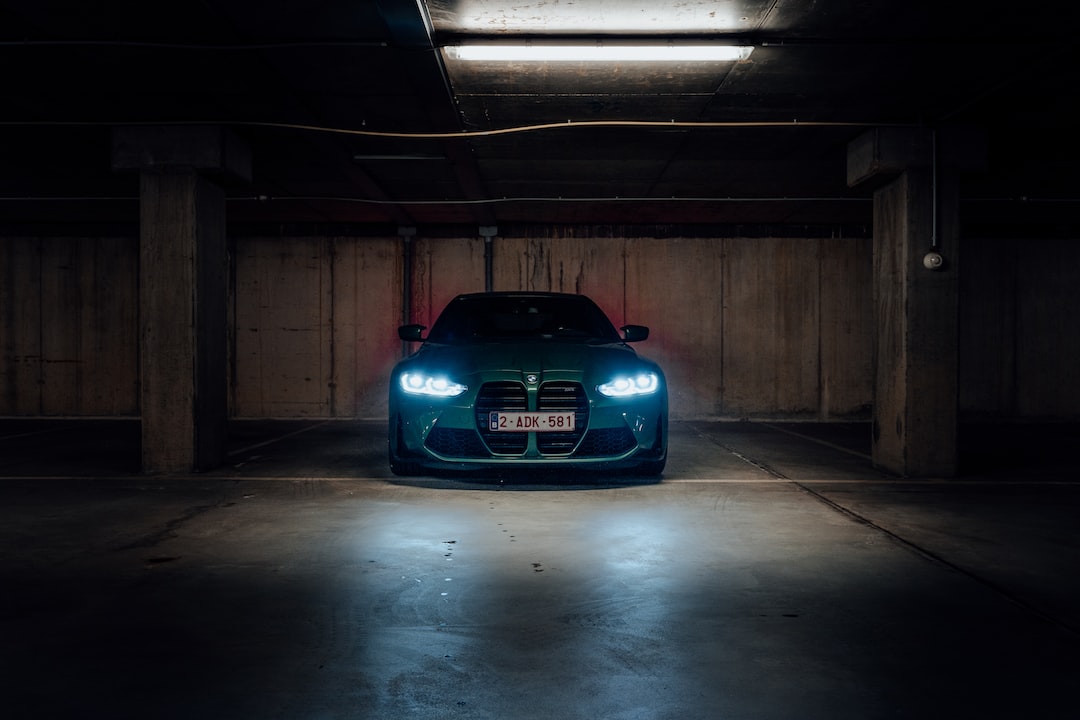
x=448, y=414
x=526, y=381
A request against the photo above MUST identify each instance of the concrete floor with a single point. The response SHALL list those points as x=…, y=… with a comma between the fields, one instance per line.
x=772, y=573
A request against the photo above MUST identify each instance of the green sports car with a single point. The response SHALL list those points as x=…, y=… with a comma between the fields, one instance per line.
x=526, y=380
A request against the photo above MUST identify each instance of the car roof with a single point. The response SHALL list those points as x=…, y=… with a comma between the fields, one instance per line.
x=519, y=294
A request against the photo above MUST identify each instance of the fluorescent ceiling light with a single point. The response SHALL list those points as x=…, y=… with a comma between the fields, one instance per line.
x=614, y=17
x=601, y=53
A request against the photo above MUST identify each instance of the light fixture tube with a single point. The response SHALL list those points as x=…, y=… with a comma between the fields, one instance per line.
x=601, y=53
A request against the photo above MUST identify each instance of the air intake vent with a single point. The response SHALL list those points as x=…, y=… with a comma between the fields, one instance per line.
x=607, y=442
x=452, y=442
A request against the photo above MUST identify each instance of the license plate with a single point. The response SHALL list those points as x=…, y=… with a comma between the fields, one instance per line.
x=531, y=422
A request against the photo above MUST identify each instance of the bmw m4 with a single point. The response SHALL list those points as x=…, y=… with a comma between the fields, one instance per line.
x=526, y=380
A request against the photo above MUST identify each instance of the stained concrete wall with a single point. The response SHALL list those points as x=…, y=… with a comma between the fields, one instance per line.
x=745, y=327
x=68, y=326
x=441, y=269
x=314, y=326
x=737, y=323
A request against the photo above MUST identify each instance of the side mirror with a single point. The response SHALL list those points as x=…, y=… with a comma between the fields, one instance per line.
x=634, y=333
x=411, y=333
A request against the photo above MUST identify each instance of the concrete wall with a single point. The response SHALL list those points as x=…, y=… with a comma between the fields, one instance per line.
x=1020, y=329
x=314, y=326
x=68, y=326
x=745, y=327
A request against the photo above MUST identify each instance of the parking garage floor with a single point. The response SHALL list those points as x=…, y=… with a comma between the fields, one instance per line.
x=771, y=573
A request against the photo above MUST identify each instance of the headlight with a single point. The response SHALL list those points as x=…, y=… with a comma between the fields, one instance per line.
x=419, y=383
x=629, y=385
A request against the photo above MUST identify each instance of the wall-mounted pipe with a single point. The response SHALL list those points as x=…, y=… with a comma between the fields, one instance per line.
x=488, y=232
x=933, y=190
x=407, y=234
x=933, y=260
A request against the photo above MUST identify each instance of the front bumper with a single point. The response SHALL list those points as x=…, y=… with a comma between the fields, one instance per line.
x=609, y=433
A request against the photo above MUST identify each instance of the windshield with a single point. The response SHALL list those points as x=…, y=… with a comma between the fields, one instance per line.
x=480, y=318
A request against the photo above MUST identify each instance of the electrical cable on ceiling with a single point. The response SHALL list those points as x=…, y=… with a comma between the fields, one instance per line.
x=483, y=201
x=575, y=124
x=466, y=134
x=371, y=201
x=492, y=201
x=233, y=47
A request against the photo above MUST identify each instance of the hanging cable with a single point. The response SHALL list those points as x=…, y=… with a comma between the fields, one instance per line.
x=466, y=134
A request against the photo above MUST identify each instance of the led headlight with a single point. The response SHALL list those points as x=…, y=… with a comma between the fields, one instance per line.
x=419, y=383
x=630, y=385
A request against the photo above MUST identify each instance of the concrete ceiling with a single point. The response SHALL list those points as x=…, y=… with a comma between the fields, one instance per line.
x=358, y=111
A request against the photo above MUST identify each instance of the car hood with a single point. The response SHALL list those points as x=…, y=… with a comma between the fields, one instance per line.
x=565, y=359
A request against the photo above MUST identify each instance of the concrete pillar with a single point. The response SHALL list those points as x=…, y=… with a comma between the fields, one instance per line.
x=183, y=269
x=916, y=265
x=915, y=383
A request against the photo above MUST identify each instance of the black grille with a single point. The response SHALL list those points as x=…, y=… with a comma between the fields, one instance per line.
x=503, y=397
x=562, y=397
x=606, y=442
x=453, y=442
x=553, y=397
